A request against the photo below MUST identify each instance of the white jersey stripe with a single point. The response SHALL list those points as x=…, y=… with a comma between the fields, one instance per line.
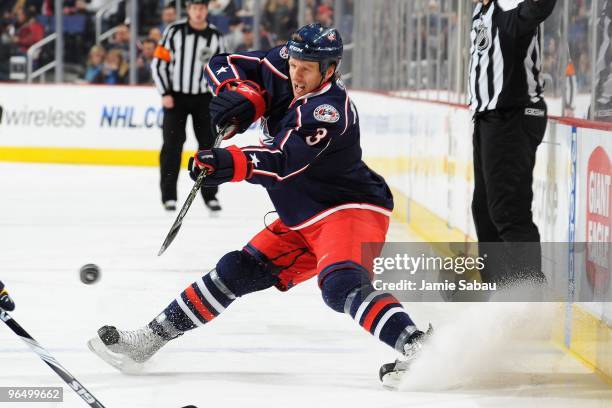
x=498, y=72
x=531, y=82
x=187, y=60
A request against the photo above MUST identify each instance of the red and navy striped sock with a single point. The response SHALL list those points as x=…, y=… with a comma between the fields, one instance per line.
x=199, y=303
x=381, y=314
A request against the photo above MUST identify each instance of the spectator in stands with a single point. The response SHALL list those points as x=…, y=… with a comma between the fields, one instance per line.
x=95, y=63
x=247, y=9
x=112, y=15
x=144, y=61
x=155, y=34
x=114, y=71
x=234, y=38
x=6, y=9
x=266, y=39
x=121, y=41
x=5, y=49
x=248, y=40
x=280, y=17
x=308, y=16
x=168, y=17
x=325, y=15
x=34, y=6
x=583, y=74
x=222, y=7
x=29, y=31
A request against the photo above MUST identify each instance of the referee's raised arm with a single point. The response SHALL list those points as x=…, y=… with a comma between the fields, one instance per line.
x=522, y=17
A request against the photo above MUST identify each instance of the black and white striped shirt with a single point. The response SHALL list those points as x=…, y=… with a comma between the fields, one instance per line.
x=603, y=69
x=505, y=56
x=181, y=56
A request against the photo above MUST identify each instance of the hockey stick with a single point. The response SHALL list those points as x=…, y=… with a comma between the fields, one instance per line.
x=194, y=191
x=50, y=360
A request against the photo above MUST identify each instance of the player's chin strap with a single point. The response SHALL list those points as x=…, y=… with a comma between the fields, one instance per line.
x=324, y=70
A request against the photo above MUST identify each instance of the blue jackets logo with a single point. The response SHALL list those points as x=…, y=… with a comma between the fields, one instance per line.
x=284, y=52
x=326, y=113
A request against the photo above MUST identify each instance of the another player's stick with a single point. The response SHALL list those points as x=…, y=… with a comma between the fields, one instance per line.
x=50, y=360
x=221, y=133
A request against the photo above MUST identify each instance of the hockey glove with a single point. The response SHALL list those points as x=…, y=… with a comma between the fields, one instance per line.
x=237, y=103
x=6, y=302
x=221, y=165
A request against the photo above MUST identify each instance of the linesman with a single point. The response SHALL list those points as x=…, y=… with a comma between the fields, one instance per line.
x=178, y=71
x=510, y=118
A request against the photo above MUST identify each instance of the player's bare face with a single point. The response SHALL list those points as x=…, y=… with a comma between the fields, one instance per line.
x=305, y=76
x=197, y=15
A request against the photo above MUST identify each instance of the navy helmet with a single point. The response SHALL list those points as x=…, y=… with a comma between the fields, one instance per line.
x=314, y=42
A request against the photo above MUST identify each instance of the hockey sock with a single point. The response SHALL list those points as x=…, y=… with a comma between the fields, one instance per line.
x=380, y=313
x=198, y=304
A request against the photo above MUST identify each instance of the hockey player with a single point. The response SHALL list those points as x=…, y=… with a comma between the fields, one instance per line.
x=329, y=202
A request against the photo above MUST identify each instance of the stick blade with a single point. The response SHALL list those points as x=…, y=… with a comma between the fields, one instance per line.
x=171, y=235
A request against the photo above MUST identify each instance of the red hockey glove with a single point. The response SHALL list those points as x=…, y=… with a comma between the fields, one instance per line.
x=222, y=165
x=238, y=103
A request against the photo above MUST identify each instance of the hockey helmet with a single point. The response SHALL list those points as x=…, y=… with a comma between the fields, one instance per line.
x=313, y=42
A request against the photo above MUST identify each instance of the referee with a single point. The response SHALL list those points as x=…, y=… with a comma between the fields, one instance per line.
x=178, y=71
x=510, y=117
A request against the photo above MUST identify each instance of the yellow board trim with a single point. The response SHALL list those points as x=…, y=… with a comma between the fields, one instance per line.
x=67, y=155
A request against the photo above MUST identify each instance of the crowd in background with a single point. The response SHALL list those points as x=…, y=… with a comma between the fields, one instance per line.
x=25, y=22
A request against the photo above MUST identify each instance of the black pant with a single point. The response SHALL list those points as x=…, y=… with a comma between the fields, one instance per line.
x=175, y=121
x=505, y=144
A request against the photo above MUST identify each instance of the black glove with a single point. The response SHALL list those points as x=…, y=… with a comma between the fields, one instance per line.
x=238, y=103
x=221, y=165
x=6, y=302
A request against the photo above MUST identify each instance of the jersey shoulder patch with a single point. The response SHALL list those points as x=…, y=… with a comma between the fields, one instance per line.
x=326, y=113
x=284, y=52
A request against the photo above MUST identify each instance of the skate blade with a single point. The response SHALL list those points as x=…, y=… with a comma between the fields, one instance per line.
x=120, y=362
x=392, y=380
x=214, y=214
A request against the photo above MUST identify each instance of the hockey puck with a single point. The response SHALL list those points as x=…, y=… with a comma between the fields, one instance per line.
x=89, y=273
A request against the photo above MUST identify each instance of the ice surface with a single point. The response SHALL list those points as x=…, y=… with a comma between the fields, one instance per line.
x=269, y=349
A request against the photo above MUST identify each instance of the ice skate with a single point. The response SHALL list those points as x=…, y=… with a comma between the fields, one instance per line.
x=213, y=206
x=126, y=350
x=392, y=373
x=170, y=205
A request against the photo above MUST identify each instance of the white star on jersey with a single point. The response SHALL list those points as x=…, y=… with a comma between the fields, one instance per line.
x=221, y=70
x=254, y=160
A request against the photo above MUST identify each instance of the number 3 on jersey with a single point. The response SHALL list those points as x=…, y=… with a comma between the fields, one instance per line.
x=320, y=135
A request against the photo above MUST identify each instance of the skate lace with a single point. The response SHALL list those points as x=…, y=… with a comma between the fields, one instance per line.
x=137, y=338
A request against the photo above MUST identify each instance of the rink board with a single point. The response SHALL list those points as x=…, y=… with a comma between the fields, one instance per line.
x=422, y=148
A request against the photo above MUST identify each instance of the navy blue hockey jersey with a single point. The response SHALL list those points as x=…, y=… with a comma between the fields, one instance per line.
x=310, y=158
